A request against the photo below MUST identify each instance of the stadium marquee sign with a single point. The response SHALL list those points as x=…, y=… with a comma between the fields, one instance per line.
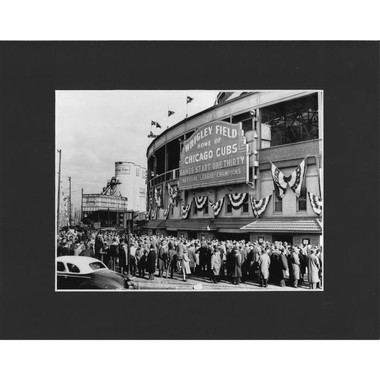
x=215, y=155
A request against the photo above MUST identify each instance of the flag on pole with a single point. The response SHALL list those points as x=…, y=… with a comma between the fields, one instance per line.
x=297, y=182
x=170, y=113
x=189, y=99
x=152, y=123
x=280, y=181
x=158, y=125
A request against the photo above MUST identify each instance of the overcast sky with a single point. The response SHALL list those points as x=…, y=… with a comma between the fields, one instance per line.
x=94, y=129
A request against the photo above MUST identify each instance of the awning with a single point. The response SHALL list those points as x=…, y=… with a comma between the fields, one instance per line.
x=190, y=225
x=154, y=224
x=292, y=225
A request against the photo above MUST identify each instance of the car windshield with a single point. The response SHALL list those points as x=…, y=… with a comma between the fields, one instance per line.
x=97, y=265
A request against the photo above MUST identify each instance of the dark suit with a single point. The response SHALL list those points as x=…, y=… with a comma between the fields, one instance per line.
x=151, y=263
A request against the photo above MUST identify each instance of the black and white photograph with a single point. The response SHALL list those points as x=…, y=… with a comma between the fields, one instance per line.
x=189, y=190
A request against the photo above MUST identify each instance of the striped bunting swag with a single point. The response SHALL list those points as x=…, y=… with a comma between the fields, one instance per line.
x=258, y=207
x=217, y=206
x=316, y=203
x=185, y=210
x=237, y=199
x=200, y=202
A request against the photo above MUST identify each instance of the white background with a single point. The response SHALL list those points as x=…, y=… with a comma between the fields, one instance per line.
x=190, y=20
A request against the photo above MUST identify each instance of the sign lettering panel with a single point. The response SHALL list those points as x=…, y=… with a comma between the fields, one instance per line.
x=215, y=155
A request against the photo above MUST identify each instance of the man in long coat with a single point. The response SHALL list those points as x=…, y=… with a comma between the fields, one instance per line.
x=192, y=257
x=295, y=266
x=236, y=272
x=276, y=266
x=284, y=267
x=203, y=257
x=264, y=264
x=151, y=262
x=162, y=258
x=215, y=265
x=313, y=266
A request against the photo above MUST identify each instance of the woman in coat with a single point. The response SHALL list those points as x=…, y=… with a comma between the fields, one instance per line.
x=151, y=262
x=216, y=263
x=295, y=266
x=236, y=272
x=264, y=264
x=313, y=266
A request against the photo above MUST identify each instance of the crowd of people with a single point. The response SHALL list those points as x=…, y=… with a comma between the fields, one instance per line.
x=277, y=263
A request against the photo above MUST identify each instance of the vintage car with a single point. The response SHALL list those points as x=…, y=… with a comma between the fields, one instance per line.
x=81, y=272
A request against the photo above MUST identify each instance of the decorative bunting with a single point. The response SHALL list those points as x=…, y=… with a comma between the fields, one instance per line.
x=316, y=203
x=189, y=99
x=258, y=207
x=297, y=181
x=200, y=202
x=217, y=206
x=173, y=193
x=237, y=199
x=167, y=210
x=280, y=181
x=158, y=196
x=185, y=210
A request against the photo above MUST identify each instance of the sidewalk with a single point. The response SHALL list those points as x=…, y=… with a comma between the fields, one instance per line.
x=197, y=283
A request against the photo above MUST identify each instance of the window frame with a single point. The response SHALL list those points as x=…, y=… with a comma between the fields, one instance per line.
x=298, y=199
x=228, y=205
x=276, y=201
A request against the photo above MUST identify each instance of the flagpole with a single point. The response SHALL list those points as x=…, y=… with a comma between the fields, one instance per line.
x=186, y=107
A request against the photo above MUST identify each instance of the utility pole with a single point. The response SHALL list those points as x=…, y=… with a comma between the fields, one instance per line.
x=70, y=201
x=81, y=207
x=59, y=190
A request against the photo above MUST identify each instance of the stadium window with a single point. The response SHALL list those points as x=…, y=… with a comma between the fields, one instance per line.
x=205, y=209
x=195, y=211
x=301, y=203
x=245, y=206
x=228, y=206
x=137, y=172
x=290, y=122
x=277, y=203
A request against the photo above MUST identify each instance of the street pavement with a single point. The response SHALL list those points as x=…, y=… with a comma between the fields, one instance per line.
x=197, y=283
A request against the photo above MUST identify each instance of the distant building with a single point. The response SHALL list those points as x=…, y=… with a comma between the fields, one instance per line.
x=132, y=184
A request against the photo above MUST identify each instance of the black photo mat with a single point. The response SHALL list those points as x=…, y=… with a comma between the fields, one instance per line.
x=347, y=72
